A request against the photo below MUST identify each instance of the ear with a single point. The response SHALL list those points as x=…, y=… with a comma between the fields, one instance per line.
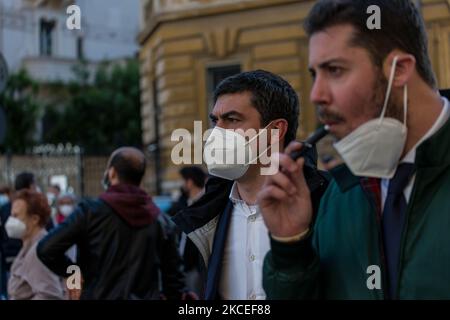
x=112, y=175
x=282, y=126
x=34, y=219
x=189, y=183
x=406, y=66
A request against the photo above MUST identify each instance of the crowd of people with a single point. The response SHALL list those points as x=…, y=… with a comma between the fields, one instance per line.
x=372, y=226
x=125, y=247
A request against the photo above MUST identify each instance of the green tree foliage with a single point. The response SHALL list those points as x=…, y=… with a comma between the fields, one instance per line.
x=21, y=110
x=102, y=115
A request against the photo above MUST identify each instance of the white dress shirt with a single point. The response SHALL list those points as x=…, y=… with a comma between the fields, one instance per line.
x=247, y=244
x=411, y=156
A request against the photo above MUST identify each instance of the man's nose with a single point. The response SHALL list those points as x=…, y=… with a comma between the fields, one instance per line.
x=219, y=123
x=320, y=94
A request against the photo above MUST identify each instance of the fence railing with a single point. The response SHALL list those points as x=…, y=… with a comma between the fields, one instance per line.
x=84, y=173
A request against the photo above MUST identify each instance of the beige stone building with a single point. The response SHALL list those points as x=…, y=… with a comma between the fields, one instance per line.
x=188, y=46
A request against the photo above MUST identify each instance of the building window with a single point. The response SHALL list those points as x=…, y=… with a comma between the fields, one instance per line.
x=215, y=76
x=47, y=29
x=80, y=48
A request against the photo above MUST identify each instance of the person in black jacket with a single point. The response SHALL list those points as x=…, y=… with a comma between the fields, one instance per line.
x=127, y=249
x=225, y=223
x=193, y=188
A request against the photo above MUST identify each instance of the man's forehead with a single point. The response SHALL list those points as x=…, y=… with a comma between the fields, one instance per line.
x=232, y=102
x=330, y=44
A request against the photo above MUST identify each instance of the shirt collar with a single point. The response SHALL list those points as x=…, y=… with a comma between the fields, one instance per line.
x=234, y=194
x=235, y=197
x=443, y=117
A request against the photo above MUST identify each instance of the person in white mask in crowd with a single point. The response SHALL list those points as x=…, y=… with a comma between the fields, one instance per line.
x=53, y=192
x=5, y=195
x=382, y=227
x=65, y=205
x=29, y=278
x=5, y=206
x=225, y=223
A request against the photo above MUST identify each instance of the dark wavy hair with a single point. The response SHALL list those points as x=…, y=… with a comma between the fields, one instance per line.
x=272, y=96
x=402, y=27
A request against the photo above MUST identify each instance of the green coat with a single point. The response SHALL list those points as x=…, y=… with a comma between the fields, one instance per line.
x=332, y=261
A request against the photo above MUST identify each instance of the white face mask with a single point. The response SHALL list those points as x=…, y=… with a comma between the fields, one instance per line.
x=15, y=228
x=232, y=153
x=51, y=198
x=374, y=148
x=66, y=209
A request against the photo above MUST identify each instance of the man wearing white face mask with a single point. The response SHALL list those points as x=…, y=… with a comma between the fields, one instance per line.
x=225, y=224
x=65, y=205
x=382, y=226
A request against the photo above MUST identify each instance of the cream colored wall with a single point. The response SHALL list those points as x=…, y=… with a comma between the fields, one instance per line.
x=437, y=16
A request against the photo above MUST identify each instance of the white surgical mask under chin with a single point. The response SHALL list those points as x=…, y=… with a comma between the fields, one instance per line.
x=374, y=149
x=232, y=170
x=15, y=228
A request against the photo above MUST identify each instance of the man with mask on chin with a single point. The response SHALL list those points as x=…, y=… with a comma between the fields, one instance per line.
x=382, y=227
x=225, y=224
x=126, y=247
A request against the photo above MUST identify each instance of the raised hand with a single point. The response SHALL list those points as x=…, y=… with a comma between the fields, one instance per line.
x=285, y=200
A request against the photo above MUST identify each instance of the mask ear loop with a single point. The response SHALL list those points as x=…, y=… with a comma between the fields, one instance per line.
x=256, y=136
x=259, y=155
x=389, y=89
x=405, y=105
